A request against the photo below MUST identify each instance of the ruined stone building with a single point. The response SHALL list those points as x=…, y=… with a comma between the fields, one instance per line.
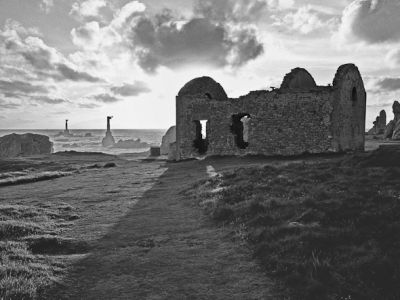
x=299, y=117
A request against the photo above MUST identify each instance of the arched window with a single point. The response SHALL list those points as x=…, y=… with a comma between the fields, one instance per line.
x=240, y=129
x=354, y=96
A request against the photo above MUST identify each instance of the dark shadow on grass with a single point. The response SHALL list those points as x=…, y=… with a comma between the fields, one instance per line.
x=158, y=249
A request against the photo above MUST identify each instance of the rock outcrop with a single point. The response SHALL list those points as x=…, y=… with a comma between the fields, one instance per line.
x=131, y=144
x=14, y=145
x=108, y=140
x=167, y=139
x=379, y=124
x=392, y=130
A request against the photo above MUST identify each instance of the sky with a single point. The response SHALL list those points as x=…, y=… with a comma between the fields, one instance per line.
x=86, y=59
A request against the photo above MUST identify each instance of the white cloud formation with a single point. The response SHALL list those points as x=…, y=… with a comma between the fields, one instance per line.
x=371, y=21
x=393, y=57
x=46, y=5
x=88, y=8
x=305, y=20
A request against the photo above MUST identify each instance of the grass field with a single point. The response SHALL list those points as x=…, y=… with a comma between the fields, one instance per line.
x=29, y=244
x=325, y=230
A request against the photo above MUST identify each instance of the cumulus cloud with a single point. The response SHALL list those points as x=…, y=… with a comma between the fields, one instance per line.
x=231, y=10
x=87, y=36
x=88, y=8
x=305, y=20
x=389, y=84
x=135, y=89
x=211, y=37
x=220, y=33
x=45, y=61
x=106, y=98
x=46, y=5
x=372, y=21
x=91, y=36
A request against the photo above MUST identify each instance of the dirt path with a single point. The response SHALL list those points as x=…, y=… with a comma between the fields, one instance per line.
x=147, y=240
x=164, y=248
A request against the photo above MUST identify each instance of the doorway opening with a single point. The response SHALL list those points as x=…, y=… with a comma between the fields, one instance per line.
x=240, y=129
x=201, y=141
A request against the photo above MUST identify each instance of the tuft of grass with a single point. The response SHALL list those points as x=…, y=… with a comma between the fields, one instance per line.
x=325, y=230
x=28, y=238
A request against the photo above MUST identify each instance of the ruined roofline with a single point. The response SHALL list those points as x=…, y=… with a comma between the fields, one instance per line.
x=299, y=80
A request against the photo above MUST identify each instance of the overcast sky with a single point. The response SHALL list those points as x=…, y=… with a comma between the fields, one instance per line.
x=83, y=60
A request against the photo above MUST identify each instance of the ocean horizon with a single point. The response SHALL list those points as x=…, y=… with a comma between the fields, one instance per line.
x=89, y=140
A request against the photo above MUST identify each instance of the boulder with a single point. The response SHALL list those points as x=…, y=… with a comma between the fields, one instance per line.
x=167, y=139
x=13, y=145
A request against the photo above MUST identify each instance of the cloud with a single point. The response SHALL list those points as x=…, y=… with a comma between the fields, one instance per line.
x=232, y=10
x=135, y=89
x=305, y=20
x=371, y=21
x=88, y=105
x=8, y=105
x=73, y=75
x=106, y=98
x=207, y=39
x=127, y=12
x=87, y=36
x=88, y=8
x=46, y=61
x=46, y=5
x=20, y=87
x=389, y=84
x=49, y=100
x=393, y=57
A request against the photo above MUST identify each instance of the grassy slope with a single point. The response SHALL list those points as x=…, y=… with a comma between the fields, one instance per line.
x=33, y=250
x=27, y=235
x=328, y=230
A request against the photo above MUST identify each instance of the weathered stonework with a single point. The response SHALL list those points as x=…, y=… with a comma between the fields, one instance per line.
x=300, y=117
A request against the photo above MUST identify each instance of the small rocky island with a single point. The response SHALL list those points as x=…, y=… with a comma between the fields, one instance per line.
x=109, y=141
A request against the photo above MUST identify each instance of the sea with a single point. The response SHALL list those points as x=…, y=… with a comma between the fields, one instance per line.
x=89, y=140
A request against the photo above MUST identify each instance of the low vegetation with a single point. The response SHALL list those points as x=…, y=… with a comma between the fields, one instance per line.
x=326, y=230
x=29, y=236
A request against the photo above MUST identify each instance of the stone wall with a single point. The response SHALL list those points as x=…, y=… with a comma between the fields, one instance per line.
x=286, y=121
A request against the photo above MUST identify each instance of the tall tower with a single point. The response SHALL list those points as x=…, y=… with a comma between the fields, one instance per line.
x=66, y=131
x=108, y=123
x=108, y=140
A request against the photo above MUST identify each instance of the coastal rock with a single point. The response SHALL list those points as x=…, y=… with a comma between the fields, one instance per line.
x=389, y=130
x=167, y=139
x=13, y=145
x=392, y=130
x=379, y=124
x=131, y=144
x=108, y=140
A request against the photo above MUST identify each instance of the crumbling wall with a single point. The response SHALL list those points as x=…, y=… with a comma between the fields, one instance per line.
x=279, y=124
x=348, y=116
x=288, y=121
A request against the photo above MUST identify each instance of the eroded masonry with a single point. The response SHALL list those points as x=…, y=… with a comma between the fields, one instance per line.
x=299, y=117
